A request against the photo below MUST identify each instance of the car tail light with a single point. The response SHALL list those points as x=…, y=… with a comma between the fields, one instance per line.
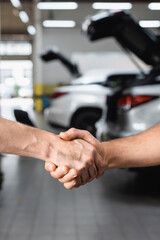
x=129, y=101
x=58, y=94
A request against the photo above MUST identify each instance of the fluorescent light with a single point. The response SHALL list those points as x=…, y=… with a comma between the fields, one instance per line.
x=23, y=16
x=154, y=6
x=111, y=5
x=16, y=3
x=59, y=24
x=57, y=5
x=149, y=23
x=31, y=30
x=15, y=49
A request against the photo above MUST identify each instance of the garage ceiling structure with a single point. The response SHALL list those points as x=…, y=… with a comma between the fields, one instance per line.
x=11, y=23
x=69, y=40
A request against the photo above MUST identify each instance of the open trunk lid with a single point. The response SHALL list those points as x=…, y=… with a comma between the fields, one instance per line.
x=124, y=28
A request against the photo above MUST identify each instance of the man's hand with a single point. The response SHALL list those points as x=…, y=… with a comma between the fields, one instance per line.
x=63, y=173
x=86, y=136
x=79, y=155
x=141, y=150
x=68, y=179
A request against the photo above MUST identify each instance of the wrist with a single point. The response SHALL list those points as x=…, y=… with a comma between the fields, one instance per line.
x=41, y=145
x=106, y=150
x=20, y=139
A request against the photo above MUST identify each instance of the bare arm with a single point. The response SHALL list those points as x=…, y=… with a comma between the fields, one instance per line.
x=17, y=138
x=20, y=139
x=141, y=150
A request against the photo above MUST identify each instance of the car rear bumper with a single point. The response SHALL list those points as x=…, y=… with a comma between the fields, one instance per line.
x=56, y=117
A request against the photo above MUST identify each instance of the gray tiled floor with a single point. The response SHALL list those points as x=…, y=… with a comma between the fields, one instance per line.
x=35, y=206
x=122, y=205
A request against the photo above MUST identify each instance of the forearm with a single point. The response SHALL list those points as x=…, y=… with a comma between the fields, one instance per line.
x=17, y=138
x=141, y=150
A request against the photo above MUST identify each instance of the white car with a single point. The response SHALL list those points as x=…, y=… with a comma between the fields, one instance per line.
x=135, y=106
x=81, y=103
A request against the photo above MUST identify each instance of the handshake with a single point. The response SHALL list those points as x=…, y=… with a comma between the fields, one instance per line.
x=77, y=158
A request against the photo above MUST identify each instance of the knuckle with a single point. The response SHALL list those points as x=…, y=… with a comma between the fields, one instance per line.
x=92, y=149
x=74, y=182
x=72, y=130
x=61, y=180
x=86, y=132
x=89, y=160
x=65, y=169
x=74, y=173
x=46, y=167
x=82, y=167
x=53, y=174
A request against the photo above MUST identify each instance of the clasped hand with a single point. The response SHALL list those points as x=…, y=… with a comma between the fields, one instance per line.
x=77, y=158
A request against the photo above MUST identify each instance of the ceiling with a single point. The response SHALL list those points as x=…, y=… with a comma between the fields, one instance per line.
x=11, y=23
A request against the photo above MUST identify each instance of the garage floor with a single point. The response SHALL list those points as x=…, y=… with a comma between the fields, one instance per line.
x=122, y=205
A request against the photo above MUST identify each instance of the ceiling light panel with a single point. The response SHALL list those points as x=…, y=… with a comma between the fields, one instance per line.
x=15, y=48
x=24, y=16
x=149, y=23
x=154, y=6
x=16, y=3
x=112, y=5
x=57, y=5
x=59, y=24
x=31, y=30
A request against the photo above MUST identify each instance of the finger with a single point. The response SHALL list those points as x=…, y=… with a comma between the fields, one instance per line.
x=70, y=185
x=74, y=133
x=99, y=165
x=101, y=173
x=71, y=175
x=85, y=177
x=78, y=182
x=92, y=172
x=50, y=166
x=60, y=172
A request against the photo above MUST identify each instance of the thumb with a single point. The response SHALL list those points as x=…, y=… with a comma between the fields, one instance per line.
x=74, y=133
x=68, y=135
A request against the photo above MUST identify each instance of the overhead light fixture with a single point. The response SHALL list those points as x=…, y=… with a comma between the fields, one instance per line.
x=59, y=24
x=112, y=5
x=15, y=48
x=23, y=16
x=149, y=23
x=154, y=6
x=31, y=30
x=16, y=3
x=57, y=5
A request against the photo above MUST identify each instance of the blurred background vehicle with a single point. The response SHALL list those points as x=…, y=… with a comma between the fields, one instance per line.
x=135, y=106
x=81, y=103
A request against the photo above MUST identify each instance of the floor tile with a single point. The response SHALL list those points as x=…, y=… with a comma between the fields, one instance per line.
x=33, y=206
